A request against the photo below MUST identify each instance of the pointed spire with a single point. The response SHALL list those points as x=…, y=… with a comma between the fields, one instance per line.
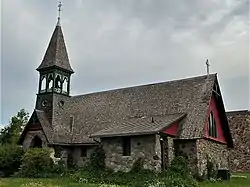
x=56, y=54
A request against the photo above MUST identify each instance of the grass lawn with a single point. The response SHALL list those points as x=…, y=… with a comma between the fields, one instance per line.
x=22, y=182
x=236, y=181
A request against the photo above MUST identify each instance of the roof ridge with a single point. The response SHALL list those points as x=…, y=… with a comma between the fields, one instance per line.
x=142, y=85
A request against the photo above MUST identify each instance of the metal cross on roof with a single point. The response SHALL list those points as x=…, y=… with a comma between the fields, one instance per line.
x=59, y=12
x=208, y=65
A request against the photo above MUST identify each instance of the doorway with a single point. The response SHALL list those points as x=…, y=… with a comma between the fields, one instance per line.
x=36, y=142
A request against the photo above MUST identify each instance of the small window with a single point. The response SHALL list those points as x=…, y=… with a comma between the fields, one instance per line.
x=65, y=85
x=126, y=146
x=43, y=84
x=84, y=151
x=212, y=130
x=50, y=82
x=71, y=123
x=58, y=82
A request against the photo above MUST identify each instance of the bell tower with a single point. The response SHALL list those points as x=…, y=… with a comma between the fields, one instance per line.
x=55, y=71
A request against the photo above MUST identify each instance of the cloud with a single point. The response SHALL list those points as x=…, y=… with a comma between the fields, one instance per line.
x=117, y=43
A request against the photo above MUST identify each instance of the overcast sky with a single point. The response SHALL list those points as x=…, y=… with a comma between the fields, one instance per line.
x=119, y=43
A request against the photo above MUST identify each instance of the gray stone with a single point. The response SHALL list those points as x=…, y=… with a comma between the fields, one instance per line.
x=144, y=147
x=239, y=122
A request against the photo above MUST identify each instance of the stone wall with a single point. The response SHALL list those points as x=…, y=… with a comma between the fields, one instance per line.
x=75, y=151
x=146, y=147
x=239, y=122
x=78, y=159
x=217, y=153
x=170, y=149
x=30, y=135
x=188, y=149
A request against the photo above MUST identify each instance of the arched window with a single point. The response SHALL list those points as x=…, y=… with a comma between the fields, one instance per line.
x=36, y=142
x=212, y=129
x=58, y=82
x=43, y=84
x=50, y=81
x=65, y=85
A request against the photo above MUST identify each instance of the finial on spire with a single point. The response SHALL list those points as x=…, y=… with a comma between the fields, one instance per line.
x=59, y=13
x=208, y=65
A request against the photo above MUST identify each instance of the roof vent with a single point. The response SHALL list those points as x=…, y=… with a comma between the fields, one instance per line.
x=152, y=120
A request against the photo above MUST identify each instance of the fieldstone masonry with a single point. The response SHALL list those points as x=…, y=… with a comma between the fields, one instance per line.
x=239, y=122
x=170, y=149
x=79, y=160
x=216, y=153
x=31, y=135
x=145, y=147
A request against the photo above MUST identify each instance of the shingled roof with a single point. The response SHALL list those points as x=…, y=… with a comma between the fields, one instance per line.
x=82, y=116
x=139, y=126
x=56, y=53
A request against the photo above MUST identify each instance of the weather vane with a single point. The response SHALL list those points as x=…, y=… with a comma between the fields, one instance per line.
x=59, y=12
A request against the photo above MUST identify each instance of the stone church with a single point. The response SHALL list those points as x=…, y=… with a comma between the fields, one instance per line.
x=154, y=122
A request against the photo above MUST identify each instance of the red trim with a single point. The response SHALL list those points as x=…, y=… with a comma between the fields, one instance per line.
x=220, y=134
x=172, y=130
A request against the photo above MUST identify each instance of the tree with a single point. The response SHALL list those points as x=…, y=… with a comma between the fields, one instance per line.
x=11, y=133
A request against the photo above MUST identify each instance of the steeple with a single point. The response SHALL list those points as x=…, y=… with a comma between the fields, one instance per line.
x=56, y=54
x=55, y=69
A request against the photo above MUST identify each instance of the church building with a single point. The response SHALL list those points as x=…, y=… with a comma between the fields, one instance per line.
x=153, y=122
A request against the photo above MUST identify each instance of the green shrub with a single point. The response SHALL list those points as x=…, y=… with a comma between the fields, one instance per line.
x=97, y=159
x=36, y=162
x=212, y=168
x=10, y=158
x=175, y=176
x=138, y=165
x=179, y=166
x=58, y=170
